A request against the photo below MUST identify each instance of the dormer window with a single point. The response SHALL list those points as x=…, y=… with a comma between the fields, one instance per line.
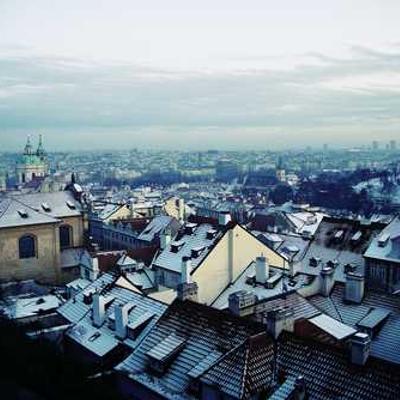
x=211, y=234
x=23, y=213
x=46, y=207
x=383, y=240
x=71, y=205
x=314, y=262
x=162, y=354
x=196, y=251
x=136, y=327
x=176, y=246
x=190, y=228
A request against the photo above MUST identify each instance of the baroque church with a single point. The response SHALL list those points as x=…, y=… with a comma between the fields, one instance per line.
x=33, y=164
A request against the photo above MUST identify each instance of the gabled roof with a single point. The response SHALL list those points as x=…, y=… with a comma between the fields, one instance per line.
x=245, y=370
x=207, y=333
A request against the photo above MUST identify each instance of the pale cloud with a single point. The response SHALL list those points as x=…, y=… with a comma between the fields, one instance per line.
x=234, y=75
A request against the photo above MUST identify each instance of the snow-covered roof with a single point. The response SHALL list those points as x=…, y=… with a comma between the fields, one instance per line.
x=37, y=208
x=101, y=340
x=171, y=259
x=386, y=246
x=155, y=227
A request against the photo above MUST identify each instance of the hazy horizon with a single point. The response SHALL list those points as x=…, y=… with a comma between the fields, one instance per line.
x=168, y=75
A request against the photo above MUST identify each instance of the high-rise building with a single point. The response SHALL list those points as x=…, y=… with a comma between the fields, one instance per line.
x=392, y=145
x=33, y=164
x=375, y=145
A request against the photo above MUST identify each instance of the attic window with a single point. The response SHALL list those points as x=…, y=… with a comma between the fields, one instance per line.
x=71, y=205
x=383, y=240
x=196, y=251
x=162, y=354
x=46, y=207
x=190, y=228
x=136, y=327
x=211, y=234
x=94, y=337
x=339, y=235
x=176, y=246
x=23, y=213
x=357, y=236
x=314, y=261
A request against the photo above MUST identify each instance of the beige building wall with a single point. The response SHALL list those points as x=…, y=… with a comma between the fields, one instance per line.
x=44, y=267
x=77, y=228
x=230, y=257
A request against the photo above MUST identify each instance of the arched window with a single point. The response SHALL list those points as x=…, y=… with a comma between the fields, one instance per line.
x=65, y=236
x=27, y=246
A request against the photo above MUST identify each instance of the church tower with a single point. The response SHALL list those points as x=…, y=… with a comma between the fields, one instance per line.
x=32, y=164
x=280, y=170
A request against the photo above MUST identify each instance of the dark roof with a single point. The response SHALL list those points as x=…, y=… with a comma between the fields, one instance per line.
x=245, y=370
x=329, y=375
x=300, y=307
x=206, y=332
x=386, y=338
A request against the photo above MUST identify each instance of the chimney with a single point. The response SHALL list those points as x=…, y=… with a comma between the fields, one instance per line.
x=262, y=270
x=165, y=238
x=181, y=209
x=99, y=309
x=279, y=320
x=360, y=348
x=242, y=303
x=121, y=320
x=187, y=291
x=186, y=270
x=224, y=218
x=300, y=391
x=327, y=280
x=354, y=289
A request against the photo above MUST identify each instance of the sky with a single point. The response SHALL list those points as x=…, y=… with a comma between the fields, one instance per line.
x=185, y=74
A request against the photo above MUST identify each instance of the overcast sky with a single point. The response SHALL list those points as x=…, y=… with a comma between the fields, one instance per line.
x=227, y=74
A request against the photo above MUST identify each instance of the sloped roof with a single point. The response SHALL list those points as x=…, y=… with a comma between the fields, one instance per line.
x=329, y=375
x=386, y=343
x=245, y=370
x=205, y=331
x=100, y=340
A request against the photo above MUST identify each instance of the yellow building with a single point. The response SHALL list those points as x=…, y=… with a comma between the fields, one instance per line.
x=213, y=257
x=36, y=230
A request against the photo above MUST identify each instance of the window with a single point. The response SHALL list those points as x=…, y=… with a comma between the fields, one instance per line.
x=65, y=236
x=27, y=246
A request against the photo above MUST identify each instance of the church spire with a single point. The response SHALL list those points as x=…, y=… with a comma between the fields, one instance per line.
x=28, y=146
x=40, y=150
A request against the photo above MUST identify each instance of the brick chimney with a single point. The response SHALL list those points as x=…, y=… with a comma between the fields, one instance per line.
x=278, y=320
x=242, y=303
x=187, y=291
